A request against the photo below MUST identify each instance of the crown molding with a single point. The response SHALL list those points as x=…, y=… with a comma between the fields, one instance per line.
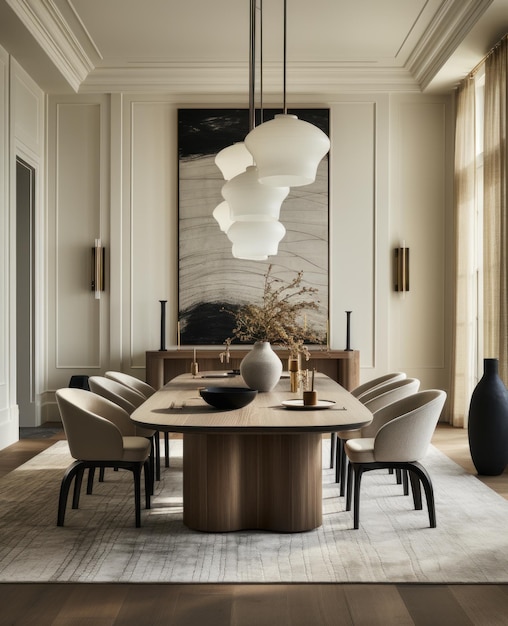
x=448, y=28
x=232, y=79
x=82, y=67
x=51, y=31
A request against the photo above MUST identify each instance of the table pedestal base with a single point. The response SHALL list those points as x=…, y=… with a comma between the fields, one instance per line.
x=246, y=481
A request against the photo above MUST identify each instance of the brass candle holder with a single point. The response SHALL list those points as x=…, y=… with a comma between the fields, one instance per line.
x=294, y=371
x=194, y=365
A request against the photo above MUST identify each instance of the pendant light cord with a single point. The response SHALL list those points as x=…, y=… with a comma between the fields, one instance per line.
x=284, y=106
x=252, y=62
x=261, y=60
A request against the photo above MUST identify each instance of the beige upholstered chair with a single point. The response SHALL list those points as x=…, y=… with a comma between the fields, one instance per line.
x=374, y=400
x=129, y=400
x=146, y=390
x=404, y=433
x=140, y=386
x=391, y=392
x=377, y=382
x=94, y=426
x=358, y=392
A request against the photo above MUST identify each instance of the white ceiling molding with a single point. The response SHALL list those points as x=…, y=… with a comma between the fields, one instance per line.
x=431, y=39
x=49, y=28
x=450, y=25
x=182, y=79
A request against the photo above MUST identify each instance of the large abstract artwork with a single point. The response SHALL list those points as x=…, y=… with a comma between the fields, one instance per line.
x=211, y=280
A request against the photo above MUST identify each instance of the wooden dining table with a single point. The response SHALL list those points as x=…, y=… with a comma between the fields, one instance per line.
x=258, y=467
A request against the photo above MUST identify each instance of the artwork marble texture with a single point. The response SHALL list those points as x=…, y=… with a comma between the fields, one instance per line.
x=210, y=278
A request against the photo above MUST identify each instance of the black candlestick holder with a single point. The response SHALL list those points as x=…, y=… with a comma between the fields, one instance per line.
x=163, y=325
x=348, y=331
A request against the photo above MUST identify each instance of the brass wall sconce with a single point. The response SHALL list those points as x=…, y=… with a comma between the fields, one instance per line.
x=98, y=268
x=401, y=269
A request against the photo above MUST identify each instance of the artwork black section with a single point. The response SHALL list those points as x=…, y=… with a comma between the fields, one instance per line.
x=207, y=323
x=208, y=131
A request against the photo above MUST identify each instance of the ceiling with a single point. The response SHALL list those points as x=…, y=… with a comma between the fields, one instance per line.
x=201, y=47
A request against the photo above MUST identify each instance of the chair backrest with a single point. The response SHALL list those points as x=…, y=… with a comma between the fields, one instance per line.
x=127, y=398
x=133, y=383
x=385, y=395
x=407, y=437
x=377, y=382
x=88, y=422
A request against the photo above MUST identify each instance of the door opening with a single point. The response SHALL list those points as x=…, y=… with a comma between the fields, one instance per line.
x=25, y=300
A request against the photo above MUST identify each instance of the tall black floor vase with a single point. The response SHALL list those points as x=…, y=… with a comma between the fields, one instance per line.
x=488, y=422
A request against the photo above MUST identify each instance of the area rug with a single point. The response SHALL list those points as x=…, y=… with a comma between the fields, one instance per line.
x=99, y=542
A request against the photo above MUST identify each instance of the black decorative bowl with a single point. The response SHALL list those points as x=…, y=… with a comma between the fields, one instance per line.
x=227, y=398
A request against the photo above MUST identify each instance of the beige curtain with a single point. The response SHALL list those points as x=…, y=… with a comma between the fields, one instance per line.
x=495, y=259
x=464, y=348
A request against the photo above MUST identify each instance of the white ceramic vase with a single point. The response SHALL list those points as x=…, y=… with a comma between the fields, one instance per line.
x=261, y=367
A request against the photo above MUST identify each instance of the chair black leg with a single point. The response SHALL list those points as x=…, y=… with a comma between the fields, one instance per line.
x=339, y=451
x=405, y=482
x=429, y=491
x=344, y=465
x=67, y=479
x=77, y=486
x=89, y=482
x=417, y=491
x=166, y=449
x=333, y=446
x=136, y=471
x=157, y=455
x=152, y=462
x=358, y=471
x=349, y=487
x=146, y=469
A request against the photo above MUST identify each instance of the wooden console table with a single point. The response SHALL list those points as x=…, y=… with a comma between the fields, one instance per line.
x=343, y=366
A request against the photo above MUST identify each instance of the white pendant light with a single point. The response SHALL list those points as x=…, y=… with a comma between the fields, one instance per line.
x=233, y=160
x=250, y=201
x=222, y=213
x=287, y=151
x=255, y=240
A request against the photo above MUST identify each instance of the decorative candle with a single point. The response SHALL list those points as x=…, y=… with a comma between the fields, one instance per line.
x=178, y=335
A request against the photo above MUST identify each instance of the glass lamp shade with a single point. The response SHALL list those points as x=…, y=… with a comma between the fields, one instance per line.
x=233, y=160
x=250, y=201
x=222, y=213
x=287, y=151
x=255, y=240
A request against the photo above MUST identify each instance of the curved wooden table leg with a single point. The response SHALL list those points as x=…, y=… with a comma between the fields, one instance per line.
x=247, y=481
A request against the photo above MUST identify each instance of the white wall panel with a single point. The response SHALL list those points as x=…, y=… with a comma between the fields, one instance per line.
x=153, y=224
x=353, y=227
x=78, y=213
x=28, y=111
x=77, y=225
x=420, y=172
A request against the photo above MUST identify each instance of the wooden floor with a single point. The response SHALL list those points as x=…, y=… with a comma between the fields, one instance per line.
x=104, y=604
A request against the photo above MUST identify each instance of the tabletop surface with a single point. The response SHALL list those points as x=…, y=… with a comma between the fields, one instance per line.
x=178, y=407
